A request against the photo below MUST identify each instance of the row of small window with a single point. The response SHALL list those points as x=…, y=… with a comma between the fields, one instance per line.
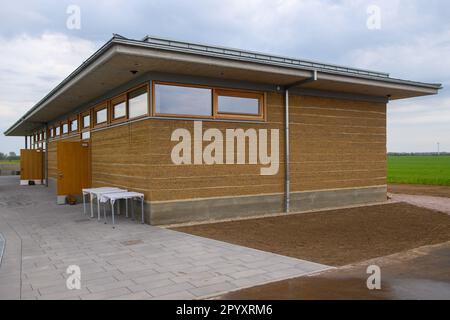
x=132, y=104
x=169, y=99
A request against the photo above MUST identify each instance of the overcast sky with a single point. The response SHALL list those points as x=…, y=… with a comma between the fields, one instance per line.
x=37, y=50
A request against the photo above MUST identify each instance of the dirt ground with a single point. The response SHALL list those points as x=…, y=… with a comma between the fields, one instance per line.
x=336, y=237
x=419, y=189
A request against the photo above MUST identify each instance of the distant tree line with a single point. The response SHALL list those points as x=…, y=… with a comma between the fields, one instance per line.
x=418, y=153
x=10, y=156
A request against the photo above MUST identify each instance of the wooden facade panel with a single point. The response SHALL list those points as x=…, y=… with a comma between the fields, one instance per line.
x=334, y=144
x=337, y=143
x=52, y=161
x=337, y=166
x=193, y=193
x=336, y=184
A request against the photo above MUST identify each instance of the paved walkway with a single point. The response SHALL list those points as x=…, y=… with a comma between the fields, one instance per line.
x=133, y=261
x=435, y=203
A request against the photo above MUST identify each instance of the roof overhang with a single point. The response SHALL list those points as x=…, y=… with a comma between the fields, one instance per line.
x=110, y=67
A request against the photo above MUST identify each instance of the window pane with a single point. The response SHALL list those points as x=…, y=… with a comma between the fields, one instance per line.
x=119, y=110
x=65, y=128
x=183, y=100
x=52, y=132
x=137, y=103
x=228, y=104
x=86, y=121
x=85, y=135
x=100, y=116
x=57, y=131
x=74, y=125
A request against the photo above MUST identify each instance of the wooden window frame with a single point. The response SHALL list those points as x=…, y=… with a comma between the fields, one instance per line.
x=177, y=115
x=82, y=128
x=82, y=115
x=81, y=135
x=260, y=96
x=215, y=93
x=115, y=101
x=62, y=126
x=99, y=107
x=127, y=94
x=70, y=124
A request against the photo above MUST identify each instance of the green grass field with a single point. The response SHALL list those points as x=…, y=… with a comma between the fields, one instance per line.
x=9, y=161
x=419, y=170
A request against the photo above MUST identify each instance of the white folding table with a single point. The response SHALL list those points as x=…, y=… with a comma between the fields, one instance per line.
x=115, y=196
x=96, y=193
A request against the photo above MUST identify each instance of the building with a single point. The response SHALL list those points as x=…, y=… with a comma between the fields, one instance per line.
x=113, y=122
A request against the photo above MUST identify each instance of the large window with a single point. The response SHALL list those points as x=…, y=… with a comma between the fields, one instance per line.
x=57, y=131
x=182, y=100
x=65, y=128
x=197, y=101
x=138, y=102
x=238, y=104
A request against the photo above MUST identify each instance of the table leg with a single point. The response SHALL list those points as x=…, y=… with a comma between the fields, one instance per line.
x=126, y=208
x=84, y=203
x=104, y=212
x=118, y=207
x=98, y=208
x=132, y=210
x=91, y=200
x=112, y=211
x=142, y=208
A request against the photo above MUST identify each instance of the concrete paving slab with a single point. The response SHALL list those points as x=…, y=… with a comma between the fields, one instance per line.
x=132, y=261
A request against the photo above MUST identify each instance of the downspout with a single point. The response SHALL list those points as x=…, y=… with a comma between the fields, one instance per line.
x=287, y=186
x=46, y=155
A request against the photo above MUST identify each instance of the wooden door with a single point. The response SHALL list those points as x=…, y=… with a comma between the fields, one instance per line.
x=73, y=167
x=31, y=164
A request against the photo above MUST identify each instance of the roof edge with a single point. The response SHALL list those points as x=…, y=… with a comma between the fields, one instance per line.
x=227, y=53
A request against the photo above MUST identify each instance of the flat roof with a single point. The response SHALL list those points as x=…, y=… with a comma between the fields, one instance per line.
x=109, y=67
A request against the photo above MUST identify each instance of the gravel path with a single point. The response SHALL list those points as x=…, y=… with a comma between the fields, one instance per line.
x=435, y=203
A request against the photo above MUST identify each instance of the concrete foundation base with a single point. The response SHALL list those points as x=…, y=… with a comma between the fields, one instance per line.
x=197, y=210
x=26, y=182
x=61, y=199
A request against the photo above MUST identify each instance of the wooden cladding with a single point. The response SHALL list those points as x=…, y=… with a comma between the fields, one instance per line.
x=334, y=144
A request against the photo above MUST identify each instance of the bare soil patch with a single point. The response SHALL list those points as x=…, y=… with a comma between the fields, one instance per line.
x=420, y=189
x=336, y=237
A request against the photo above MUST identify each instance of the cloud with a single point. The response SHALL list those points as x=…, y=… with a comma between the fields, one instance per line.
x=30, y=67
x=436, y=111
x=421, y=57
x=38, y=50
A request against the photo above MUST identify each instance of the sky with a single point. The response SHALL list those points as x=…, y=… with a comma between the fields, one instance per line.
x=409, y=39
